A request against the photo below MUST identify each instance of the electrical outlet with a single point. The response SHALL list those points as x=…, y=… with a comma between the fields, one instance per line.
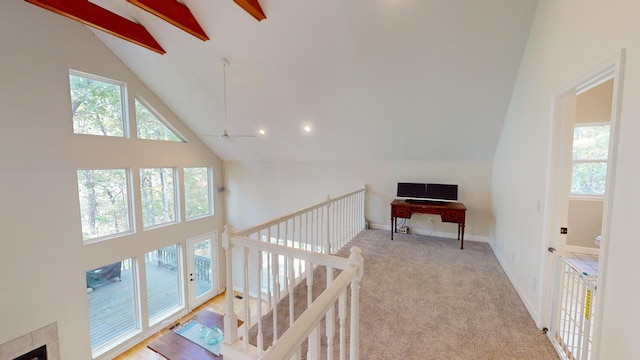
x=403, y=230
x=430, y=219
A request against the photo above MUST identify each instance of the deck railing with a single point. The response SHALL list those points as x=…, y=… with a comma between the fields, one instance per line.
x=573, y=311
x=167, y=257
x=269, y=260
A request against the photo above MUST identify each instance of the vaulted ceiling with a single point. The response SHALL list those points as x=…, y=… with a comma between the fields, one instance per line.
x=423, y=80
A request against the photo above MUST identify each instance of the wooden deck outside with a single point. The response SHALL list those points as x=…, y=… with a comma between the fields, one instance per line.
x=111, y=305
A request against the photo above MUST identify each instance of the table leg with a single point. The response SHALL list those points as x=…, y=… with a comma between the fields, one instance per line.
x=393, y=226
x=462, y=236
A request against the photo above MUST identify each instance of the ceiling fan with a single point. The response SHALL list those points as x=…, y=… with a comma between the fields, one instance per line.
x=225, y=133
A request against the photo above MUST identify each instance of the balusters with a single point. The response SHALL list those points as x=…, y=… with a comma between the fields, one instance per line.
x=292, y=281
x=323, y=228
x=354, y=345
x=342, y=314
x=308, y=231
x=276, y=294
x=313, y=350
x=360, y=212
x=317, y=231
x=329, y=317
x=230, y=319
x=245, y=298
x=259, y=273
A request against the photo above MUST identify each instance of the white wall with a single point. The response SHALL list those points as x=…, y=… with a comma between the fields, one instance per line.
x=594, y=105
x=42, y=256
x=569, y=38
x=584, y=222
x=261, y=191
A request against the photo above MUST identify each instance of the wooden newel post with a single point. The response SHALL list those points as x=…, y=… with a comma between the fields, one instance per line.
x=355, y=259
x=230, y=318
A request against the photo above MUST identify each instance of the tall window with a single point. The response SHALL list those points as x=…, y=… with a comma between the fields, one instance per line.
x=150, y=126
x=164, y=294
x=104, y=202
x=590, y=156
x=112, y=303
x=158, y=191
x=198, y=197
x=97, y=105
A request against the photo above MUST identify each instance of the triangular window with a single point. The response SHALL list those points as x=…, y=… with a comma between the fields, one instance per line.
x=151, y=126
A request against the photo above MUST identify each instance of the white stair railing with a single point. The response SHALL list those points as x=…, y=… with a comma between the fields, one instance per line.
x=267, y=261
x=324, y=227
x=573, y=311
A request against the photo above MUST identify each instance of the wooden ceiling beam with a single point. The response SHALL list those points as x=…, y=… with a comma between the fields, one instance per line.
x=252, y=7
x=174, y=13
x=95, y=16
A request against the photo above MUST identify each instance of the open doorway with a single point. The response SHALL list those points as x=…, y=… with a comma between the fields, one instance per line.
x=591, y=140
x=580, y=186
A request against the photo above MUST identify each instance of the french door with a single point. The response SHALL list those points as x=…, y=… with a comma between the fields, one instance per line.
x=202, y=269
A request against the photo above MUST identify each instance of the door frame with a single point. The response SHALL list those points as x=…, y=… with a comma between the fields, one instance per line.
x=557, y=192
x=192, y=300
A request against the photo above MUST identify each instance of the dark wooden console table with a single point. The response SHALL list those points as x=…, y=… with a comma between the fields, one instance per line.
x=453, y=212
x=175, y=347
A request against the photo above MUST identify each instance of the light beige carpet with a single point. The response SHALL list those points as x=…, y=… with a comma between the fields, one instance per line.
x=423, y=298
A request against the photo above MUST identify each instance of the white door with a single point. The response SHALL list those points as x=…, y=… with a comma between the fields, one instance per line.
x=202, y=269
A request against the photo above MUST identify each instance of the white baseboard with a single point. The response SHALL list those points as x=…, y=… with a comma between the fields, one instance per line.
x=532, y=311
x=428, y=232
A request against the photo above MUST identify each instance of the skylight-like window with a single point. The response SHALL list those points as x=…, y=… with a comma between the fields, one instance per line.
x=97, y=105
x=150, y=126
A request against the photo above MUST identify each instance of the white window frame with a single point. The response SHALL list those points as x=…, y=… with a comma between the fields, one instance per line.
x=176, y=199
x=209, y=189
x=126, y=129
x=160, y=118
x=586, y=161
x=130, y=210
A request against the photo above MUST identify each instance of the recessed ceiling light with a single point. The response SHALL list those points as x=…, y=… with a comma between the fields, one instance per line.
x=307, y=128
x=262, y=132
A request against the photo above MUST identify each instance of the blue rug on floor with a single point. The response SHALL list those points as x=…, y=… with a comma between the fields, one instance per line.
x=190, y=332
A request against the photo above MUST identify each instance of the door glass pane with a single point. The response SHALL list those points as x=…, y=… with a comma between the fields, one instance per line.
x=112, y=306
x=163, y=283
x=202, y=266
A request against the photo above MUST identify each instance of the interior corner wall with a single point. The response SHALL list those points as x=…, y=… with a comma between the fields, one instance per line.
x=260, y=191
x=42, y=257
x=568, y=39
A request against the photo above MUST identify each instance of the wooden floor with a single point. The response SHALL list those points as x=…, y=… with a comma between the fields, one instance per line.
x=141, y=352
x=217, y=305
